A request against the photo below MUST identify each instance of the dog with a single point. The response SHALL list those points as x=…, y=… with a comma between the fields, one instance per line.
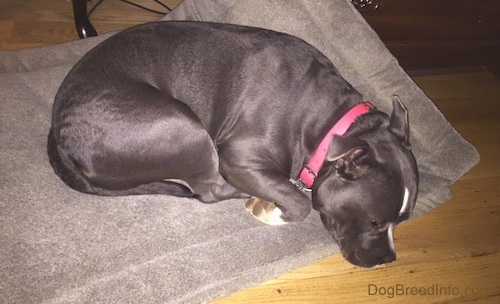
x=216, y=111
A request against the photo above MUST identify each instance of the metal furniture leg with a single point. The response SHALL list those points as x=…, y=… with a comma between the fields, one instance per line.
x=82, y=22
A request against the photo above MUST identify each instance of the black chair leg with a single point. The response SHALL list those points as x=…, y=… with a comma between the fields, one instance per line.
x=82, y=22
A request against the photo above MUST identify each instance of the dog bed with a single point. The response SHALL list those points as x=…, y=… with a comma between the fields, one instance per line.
x=61, y=246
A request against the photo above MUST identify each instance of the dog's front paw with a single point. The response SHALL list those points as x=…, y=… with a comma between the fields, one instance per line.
x=264, y=211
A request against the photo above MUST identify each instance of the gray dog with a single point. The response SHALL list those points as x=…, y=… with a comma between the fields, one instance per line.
x=216, y=111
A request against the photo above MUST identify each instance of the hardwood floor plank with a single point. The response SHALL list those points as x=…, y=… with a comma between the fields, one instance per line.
x=364, y=286
x=41, y=32
x=466, y=85
x=6, y=29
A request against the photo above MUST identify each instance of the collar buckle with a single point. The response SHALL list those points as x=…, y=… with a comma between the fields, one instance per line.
x=301, y=186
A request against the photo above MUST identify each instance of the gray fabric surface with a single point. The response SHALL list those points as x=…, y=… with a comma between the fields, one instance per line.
x=61, y=246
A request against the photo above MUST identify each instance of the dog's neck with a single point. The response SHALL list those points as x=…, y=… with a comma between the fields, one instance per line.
x=310, y=171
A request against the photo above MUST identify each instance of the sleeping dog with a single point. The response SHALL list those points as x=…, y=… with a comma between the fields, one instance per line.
x=216, y=111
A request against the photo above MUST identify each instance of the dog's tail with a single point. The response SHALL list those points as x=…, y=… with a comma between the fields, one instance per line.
x=68, y=170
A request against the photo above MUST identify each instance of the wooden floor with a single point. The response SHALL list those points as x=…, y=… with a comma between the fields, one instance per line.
x=451, y=254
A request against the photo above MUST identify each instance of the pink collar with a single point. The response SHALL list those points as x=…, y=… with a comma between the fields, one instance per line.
x=310, y=171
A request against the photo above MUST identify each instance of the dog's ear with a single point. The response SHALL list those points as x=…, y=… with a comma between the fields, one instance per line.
x=347, y=154
x=399, y=121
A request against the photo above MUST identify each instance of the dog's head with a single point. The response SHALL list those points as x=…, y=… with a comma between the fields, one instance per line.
x=368, y=185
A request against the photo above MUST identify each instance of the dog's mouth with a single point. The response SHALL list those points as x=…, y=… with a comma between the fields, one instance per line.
x=366, y=259
x=369, y=254
x=371, y=262
x=365, y=249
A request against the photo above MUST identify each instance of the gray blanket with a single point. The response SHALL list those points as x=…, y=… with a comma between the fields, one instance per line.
x=61, y=246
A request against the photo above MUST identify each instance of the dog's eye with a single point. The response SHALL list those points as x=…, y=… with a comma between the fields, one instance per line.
x=375, y=223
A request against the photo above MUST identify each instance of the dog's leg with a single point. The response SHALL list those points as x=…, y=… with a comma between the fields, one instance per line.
x=264, y=211
x=276, y=200
x=140, y=138
x=66, y=168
